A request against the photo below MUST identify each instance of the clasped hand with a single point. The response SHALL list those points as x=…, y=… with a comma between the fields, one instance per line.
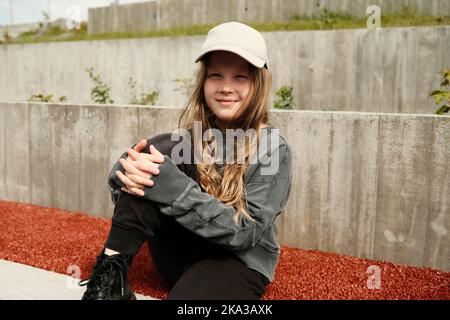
x=139, y=168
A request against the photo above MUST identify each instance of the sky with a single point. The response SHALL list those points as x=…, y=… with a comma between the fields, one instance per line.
x=27, y=11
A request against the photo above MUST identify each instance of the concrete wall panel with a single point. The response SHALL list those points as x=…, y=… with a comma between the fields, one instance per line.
x=386, y=70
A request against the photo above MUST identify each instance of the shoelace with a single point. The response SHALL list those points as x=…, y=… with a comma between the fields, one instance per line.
x=99, y=284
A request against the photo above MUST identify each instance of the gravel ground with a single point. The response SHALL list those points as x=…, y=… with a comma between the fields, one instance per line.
x=65, y=242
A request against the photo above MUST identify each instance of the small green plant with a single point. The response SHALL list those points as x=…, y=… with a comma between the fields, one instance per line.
x=40, y=97
x=185, y=85
x=100, y=91
x=285, y=99
x=145, y=98
x=442, y=95
x=148, y=98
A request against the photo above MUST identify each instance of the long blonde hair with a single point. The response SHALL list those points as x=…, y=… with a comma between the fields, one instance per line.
x=228, y=185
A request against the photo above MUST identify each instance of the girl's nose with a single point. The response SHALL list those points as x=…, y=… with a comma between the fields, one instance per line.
x=226, y=88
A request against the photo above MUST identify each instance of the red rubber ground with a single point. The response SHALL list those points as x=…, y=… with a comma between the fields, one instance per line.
x=55, y=239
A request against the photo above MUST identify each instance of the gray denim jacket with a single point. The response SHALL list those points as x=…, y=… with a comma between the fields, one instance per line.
x=268, y=185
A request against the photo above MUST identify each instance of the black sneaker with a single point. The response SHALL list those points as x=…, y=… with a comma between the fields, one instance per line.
x=109, y=279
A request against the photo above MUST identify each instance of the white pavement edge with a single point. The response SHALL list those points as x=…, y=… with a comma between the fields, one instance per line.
x=22, y=282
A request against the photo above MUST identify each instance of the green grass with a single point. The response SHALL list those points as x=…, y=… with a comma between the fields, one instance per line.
x=326, y=20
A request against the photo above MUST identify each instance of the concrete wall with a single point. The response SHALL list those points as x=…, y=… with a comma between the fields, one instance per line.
x=365, y=184
x=164, y=14
x=385, y=70
x=123, y=18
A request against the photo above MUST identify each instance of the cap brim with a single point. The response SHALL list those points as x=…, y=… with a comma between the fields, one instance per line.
x=251, y=58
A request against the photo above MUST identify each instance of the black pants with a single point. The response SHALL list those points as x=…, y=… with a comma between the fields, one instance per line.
x=193, y=267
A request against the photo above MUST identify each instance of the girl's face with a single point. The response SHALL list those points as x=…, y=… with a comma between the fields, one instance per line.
x=226, y=86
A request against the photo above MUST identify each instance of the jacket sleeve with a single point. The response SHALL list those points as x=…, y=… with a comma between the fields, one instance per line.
x=181, y=197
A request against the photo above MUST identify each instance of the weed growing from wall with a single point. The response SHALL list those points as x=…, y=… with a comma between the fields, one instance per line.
x=100, y=91
x=144, y=98
x=442, y=96
x=285, y=99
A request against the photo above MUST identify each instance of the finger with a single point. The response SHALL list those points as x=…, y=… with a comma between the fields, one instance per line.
x=127, y=180
x=140, y=181
x=138, y=192
x=153, y=157
x=140, y=145
x=133, y=153
x=154, y=151
x=134, y=192
x=130, y=166
x=148, y=167
x=124, y=189
x=143, y=162
x=142, y=167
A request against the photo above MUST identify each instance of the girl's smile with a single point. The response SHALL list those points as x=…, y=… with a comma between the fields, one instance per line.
x=226, y=102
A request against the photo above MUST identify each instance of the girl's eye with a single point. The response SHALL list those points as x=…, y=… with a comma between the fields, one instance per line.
x=241, y=77
x=214, y=75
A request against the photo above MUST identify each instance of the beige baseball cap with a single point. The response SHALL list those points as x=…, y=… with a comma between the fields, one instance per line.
x=237, y=38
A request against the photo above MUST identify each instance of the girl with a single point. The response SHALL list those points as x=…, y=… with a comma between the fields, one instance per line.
x=210, y=223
